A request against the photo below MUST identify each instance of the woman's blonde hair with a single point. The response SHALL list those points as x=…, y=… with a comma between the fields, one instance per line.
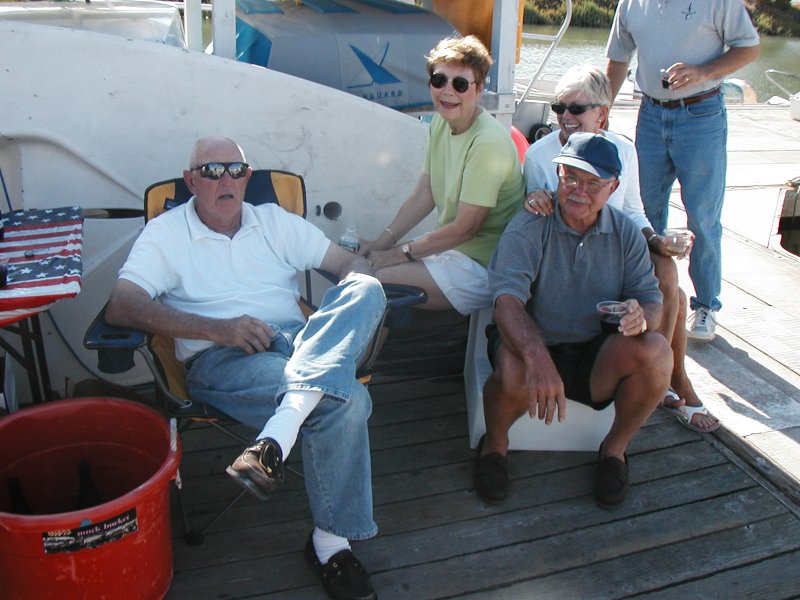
x=586, y=79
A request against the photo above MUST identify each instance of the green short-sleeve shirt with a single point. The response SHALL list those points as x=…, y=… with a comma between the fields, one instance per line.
x=480, y=167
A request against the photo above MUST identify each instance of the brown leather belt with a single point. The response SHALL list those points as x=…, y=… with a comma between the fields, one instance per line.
x=684, y=101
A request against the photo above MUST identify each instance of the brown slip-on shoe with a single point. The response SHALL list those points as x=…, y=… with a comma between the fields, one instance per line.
x=490, y=476
x=259, y=469
x=611, y=485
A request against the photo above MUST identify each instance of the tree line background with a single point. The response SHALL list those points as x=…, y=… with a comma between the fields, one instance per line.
x=771, y=17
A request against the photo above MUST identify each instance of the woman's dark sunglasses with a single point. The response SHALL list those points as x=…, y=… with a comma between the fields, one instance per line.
x=216, y=170
x=575, y=109
x=460, y=84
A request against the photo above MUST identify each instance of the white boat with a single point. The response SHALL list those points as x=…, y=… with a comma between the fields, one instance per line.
x=92, y=119
x=138, y=19
x=374, y=50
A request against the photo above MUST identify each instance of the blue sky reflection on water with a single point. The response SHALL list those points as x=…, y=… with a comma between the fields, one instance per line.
x=583, y=44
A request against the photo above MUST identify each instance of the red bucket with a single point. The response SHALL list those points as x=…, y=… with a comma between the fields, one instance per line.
x=120, y=548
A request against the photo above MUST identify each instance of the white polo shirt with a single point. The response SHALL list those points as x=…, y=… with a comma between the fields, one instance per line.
x=195, y=270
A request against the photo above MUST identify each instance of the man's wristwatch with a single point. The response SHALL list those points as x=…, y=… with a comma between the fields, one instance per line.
x=406, y=249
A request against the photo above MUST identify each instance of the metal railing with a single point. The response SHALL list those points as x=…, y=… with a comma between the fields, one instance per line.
x=769, y=75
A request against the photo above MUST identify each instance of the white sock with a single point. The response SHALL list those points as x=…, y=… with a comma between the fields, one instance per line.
x=326, y=544
x=284, y=425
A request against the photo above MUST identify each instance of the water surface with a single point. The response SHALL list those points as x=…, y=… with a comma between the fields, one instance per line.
x=584, y=44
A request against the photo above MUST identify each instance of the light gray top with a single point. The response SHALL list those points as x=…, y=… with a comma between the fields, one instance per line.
x=670, y=31
x=561, y=275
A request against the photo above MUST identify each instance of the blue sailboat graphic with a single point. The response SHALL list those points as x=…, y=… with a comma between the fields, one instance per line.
x=378, y=74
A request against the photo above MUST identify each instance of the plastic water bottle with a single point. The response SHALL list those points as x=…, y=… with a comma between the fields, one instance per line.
x=349, y=239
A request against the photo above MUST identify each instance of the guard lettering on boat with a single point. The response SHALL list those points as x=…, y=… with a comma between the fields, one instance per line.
x=91, y=535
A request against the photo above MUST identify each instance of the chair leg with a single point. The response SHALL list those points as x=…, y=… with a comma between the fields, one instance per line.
x=221, y=513
x=197, y=537
x=192, y=538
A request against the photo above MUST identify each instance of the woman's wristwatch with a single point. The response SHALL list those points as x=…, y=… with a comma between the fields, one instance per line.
x=406, y=249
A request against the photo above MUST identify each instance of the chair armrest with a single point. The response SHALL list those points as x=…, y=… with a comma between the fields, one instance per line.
x=399, y=300
x=114, y=345
x=399, y=295
x=332, y=277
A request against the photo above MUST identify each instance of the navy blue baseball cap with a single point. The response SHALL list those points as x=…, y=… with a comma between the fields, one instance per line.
x=591, y=152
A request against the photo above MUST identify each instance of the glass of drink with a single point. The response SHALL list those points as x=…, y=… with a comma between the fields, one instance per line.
x=664, y=79
x=679, y=241
x=610, y=313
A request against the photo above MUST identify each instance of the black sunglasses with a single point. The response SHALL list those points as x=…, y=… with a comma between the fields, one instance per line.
x=460, y=84
x=216, y=170
x=576, y=109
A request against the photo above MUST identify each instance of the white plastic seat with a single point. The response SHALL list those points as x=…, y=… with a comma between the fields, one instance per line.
x=583, y=430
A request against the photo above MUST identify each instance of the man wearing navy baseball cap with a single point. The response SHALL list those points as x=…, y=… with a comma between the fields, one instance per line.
x=548, y=275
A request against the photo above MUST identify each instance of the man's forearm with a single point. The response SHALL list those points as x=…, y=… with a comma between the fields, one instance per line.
x=733, y=60
x=652, y=314
x=358, y=265
x=517, y=330
x=617, y=73
x=130, y=307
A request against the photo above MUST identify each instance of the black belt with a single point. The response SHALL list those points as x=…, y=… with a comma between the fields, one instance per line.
x=684, y=101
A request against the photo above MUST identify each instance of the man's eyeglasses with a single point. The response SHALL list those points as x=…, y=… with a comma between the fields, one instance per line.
x=216, y=170
x=592, y=187
x=460, y=84
x=576, y=109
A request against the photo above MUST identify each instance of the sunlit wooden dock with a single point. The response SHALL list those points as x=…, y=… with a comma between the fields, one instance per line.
x=698, y=521
x=708, y=516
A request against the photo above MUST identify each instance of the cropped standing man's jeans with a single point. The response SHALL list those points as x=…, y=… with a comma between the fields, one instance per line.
x=321, y=355
x=687, y=143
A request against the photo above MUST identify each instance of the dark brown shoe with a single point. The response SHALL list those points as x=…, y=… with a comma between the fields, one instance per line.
x=490, y=476
x=259, y=469
x=343, y=576
x=611, y=485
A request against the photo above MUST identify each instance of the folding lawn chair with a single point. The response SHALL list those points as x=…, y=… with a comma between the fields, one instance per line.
x=116, y=345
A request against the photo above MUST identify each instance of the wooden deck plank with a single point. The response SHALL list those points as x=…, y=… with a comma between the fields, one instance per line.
x=761, y=579
x=660, y=568
x=453, y=505
x=437, y=540
x=605, y=561
x=579, y=551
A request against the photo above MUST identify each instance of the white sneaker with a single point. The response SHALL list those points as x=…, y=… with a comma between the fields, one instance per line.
x=702, y=324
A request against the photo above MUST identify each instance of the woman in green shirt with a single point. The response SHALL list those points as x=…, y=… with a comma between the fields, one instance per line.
x=471, y=177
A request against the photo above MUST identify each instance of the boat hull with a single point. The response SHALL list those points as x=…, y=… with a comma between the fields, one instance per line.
x=93, y=119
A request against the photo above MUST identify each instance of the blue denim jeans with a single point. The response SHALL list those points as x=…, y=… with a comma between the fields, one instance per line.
x=321, y=355
x=687, y=143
